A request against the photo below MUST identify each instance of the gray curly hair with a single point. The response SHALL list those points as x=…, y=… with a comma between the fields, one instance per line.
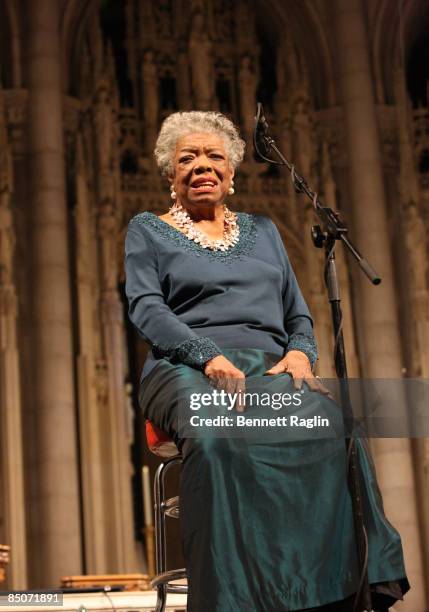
x=180, y=124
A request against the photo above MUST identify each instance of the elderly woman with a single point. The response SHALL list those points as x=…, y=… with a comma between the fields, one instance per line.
x=266, y=526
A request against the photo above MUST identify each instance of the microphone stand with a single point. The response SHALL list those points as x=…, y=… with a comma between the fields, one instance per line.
x=325, y=236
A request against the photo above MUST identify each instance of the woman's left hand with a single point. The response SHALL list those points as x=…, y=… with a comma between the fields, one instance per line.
x=297, y=364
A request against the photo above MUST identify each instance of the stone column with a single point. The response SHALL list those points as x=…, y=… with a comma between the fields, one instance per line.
x=182, y=82
x=150, y=97
x=92, y=459
x=56, y=537
x=318, y=302
x=11, y=441
x=117, y=453
x=12, y=503
x=329, y=191
x=380, y=351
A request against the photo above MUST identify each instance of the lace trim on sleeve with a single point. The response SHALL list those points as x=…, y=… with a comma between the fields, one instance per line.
x=304, y=343
x=194, y=352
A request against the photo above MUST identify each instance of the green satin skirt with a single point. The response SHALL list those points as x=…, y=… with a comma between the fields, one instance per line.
x=267, y=526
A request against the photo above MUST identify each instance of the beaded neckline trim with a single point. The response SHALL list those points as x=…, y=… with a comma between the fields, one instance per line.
x=244, y=245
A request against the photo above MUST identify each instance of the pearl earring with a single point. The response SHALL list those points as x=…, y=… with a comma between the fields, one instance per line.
x=173, y=194
x=231, y=190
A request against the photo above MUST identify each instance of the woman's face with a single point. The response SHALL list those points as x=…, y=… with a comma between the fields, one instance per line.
x=202, y=173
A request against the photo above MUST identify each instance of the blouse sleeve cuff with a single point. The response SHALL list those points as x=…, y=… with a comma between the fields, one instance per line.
x=304, y=343
x=194, y=352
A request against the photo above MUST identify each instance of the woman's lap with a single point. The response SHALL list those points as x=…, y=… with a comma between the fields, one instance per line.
x=266, y=525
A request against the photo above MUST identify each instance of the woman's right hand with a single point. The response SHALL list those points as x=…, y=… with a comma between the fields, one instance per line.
x=227, y=377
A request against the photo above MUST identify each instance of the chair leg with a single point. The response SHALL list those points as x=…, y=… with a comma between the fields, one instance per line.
x=161, y=598
x=159, y=494
x=160, y=537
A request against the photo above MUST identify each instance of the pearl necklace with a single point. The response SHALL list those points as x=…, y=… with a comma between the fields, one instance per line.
x=231, y=232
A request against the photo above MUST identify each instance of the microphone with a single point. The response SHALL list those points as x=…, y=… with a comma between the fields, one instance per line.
x=260, y=136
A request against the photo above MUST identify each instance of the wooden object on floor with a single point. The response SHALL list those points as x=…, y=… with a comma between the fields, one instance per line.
x=4, y=560
x=130, y=582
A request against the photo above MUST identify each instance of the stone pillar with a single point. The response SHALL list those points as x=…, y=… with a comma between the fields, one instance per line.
x=12, y=477
x=12, y=503
x=92, y=459
x=318, y=302
x=131, y=47
x=329, y=198
x=380, y=351
x=182, y=82
x=122, y=545
x=150, y=97
x=56, y=537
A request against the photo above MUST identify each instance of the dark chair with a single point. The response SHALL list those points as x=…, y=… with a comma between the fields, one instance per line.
x=162, y=445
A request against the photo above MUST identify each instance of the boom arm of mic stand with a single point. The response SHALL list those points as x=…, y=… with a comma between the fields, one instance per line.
x=328, y=217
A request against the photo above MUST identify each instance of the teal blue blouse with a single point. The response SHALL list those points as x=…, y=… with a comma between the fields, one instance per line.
x=189, y=303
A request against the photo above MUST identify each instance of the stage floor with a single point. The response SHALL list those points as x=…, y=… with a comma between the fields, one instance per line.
x=129, y=601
